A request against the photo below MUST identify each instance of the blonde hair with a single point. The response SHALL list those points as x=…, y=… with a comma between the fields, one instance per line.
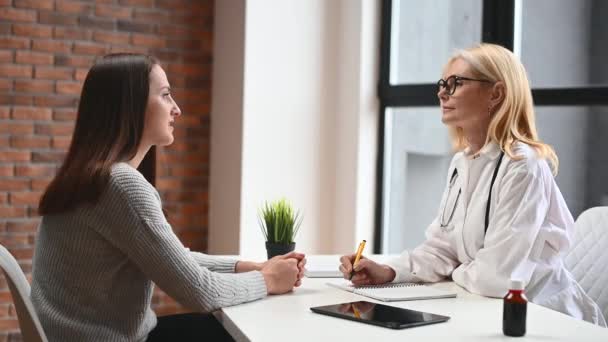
x=514, y=120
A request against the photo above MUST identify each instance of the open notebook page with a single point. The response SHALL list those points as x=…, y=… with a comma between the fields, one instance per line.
x=393, y=292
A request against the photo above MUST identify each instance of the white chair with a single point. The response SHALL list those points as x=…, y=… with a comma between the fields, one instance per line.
x=588, y=257
x=31, y=330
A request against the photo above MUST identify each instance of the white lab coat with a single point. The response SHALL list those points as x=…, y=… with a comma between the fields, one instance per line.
x=529, y=229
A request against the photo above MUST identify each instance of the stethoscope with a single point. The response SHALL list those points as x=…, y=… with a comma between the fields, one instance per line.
x=442, y=220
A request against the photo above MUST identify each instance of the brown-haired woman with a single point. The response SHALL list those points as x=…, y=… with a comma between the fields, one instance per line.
x=104, y=240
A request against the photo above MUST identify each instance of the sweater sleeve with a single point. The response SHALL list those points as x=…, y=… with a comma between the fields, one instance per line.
x=215, y=263
x=135, y=224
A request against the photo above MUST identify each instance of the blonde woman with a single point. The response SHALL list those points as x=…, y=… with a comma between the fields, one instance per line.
x=502, y=215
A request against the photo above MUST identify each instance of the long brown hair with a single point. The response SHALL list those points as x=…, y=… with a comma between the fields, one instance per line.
x=109, y=127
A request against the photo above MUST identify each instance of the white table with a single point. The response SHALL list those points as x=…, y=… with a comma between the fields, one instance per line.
x=473, y=318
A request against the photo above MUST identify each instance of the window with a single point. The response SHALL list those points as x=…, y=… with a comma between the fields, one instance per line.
x=562, y=45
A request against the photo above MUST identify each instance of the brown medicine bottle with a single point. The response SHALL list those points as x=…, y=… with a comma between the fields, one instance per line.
x=515, y=306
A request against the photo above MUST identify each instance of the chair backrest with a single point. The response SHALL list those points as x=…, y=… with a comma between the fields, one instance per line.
x=588, y=257
x=31, y=329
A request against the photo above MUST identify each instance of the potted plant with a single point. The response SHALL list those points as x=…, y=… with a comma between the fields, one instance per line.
x=280, y=224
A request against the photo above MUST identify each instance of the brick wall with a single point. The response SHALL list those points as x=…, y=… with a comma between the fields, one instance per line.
x=46, y=48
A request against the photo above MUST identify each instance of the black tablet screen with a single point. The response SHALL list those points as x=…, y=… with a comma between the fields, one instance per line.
x=380, y=314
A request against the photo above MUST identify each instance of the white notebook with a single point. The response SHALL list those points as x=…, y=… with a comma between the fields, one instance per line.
x=323, y=266
x=394, y=292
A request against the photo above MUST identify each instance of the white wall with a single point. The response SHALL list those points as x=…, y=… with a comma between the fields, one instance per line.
x=308, y=119
x=226, y=126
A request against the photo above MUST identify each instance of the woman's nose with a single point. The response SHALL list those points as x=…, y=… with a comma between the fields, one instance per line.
x=176, y=111
x=442, y=94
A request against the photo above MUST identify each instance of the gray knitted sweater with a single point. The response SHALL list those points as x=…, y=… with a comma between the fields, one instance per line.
x=93, y=268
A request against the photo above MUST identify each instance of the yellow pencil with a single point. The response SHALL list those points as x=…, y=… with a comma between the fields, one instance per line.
x=356, y=312
x=357, y=257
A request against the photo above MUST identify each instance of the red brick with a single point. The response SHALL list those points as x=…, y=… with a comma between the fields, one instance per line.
x=6, y=85
x=81, y=74
x=12, y=156
x=56, y=101
x=111, y=37
x=168, y=183
x=4, y=311
x=17, y=128
x=32, y=170
x=140, y=3
x=148, y=15
x=189, y=69
x=13, y=184
x=50, y=73
x=148, y=41
x=11, y=70
x=55, y=129
x=6, y=171
x=32, y=30
x=175, y=31
x=117, y=12
x=73, y=7
x=5, y=28
x=27, y=57
x=184, y=44
x=131, y=49
x=29, y=226
x=56, y=18
x=13, y=240
x=71, y=33
x=5, y=296
x=34, y=86
x=96, y=23
x=55, y=46
x=89, y=49
x=62, y=143
x=25, y=197
x=75, y=61
x=15, y=99
x=9, y=325
x=130, y=26
x=23, y=253
x=36, y=4
x=12, y=14
x=14, y=43
x=31, y=113
x=5, y=112
x=71, y=88
x=40, y=183
x=64, y=114
x=48, y=156
x=6, y=56
x=30, y=142
x=3, y=201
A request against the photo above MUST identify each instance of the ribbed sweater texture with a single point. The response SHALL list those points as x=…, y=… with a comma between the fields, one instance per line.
x=94, y=267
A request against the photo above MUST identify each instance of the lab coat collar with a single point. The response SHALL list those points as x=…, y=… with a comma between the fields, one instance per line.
x=490, y=151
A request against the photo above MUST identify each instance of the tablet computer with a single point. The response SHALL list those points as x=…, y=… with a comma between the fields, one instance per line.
x=380, y=314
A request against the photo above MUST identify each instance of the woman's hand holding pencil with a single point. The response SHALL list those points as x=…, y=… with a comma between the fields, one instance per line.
x=363, y=271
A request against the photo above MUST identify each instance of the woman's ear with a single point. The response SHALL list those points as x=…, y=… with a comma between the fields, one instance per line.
x=498, y=94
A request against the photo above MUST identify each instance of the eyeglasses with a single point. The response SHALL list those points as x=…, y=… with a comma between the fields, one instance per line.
x=454, y=81
x=443, y=223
